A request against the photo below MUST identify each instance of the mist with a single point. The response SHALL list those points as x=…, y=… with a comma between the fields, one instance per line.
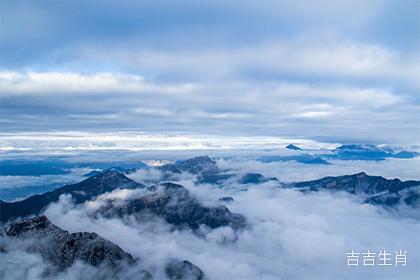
x=291, y=235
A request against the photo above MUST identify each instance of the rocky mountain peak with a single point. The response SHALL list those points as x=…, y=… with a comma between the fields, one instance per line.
x=361, y=175
x=197, y=164
x=178, y=207
x=293, y=147
x=183, y=270
x=40, y=223
x=62, y=248
x=110, y=176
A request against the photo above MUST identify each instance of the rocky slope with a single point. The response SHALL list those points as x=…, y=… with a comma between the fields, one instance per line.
x=86, y=190
x=172, y=202
x=61, y=249
x=177, y=206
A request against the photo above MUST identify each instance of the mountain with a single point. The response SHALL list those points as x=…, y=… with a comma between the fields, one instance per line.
x=204, y=167
x=169, y=201
x=62, y=249
x=88, y=189
x=367, y=152
x=226, y=199
x=254, y=178
x=12, y=167
x=214, y=177
x=405, y=154
x=196, y=165
x=169, y=168
x=114, y=168
x=376, y=188
x=57, y=166
x=208, y=172
x=177, y=206
x=343, y=152
x=178, y=270
x=293, y=147
x=303, y=158
x=409, y=196
x=357, y=183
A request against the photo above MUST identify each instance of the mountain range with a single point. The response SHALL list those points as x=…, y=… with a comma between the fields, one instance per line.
x=80, y=192
x=158, y=198
x=166, y=201
x=343, y=152
x=367, y=152
x=375, y=189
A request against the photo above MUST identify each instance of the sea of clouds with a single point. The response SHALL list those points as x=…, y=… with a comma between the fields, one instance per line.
x=291, y=235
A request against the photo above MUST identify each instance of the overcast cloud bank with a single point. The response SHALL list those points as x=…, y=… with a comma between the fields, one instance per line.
x=340, y=73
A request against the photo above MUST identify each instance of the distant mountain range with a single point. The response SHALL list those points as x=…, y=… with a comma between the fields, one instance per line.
x=208, y=172
x=301, y=158
x=375, y=189
x=187, y=210
x=368, y=152
x=59, y=166
x=344, y=152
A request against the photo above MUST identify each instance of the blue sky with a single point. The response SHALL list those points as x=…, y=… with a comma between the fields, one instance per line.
x=342, y=71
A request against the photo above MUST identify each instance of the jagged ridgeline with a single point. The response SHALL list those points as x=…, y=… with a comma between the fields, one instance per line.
x=62, y=249
x=23, y=222
x=172, y=202
x=187, y=210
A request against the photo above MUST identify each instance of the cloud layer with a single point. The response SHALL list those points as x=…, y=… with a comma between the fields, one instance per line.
x=292, y=235
x=328, y=73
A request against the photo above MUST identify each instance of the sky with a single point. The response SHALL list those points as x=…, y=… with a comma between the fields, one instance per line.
x=337, y=71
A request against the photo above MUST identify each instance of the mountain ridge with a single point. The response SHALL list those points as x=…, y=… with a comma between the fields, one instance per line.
x=387, y=191
x=81, y=192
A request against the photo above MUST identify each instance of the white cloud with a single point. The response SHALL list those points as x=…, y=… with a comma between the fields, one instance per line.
x=212, y=77
x=291, y=171
x=73, y=175
x=67, y=82
x=238, y=107
x=322, y=54
x=20, y=187
x=369, y=91
x=314, y=114
x=137, y=141
x=292, y=236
